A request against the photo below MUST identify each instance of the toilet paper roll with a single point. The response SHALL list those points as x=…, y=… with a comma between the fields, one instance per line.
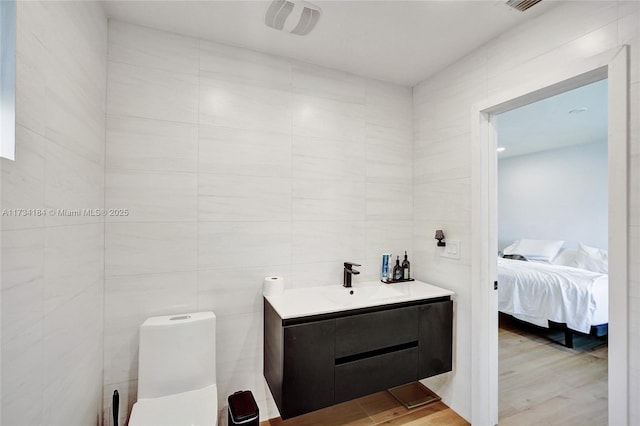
x=273, y=285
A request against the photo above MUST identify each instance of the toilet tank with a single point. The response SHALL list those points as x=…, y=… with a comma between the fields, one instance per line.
x=177, y=354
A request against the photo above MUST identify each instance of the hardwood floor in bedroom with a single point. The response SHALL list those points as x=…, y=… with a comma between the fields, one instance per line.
x=543, y=382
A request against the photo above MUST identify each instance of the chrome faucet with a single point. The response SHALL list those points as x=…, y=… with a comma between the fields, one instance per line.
x=348, y=272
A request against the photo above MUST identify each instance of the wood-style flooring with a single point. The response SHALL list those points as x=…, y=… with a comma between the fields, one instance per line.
x=542, y=382
x=378, y=409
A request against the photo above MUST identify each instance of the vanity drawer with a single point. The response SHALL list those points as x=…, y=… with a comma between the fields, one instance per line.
x=436, y=339
x=365, y=376
x=367, y=332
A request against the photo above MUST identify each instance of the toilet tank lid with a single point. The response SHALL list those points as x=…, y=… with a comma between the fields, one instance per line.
x=178, y=319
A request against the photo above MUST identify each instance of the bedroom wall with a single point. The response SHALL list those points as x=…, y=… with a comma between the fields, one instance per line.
x=559, y=194
x=442, y=156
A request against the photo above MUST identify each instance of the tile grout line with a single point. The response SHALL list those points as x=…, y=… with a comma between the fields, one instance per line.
x=198, y=177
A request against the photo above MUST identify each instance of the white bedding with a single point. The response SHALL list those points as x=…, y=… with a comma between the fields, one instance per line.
x=537, y=292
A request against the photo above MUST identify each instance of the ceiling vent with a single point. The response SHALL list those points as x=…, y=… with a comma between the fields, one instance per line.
x=293, y=16
x=522, y=5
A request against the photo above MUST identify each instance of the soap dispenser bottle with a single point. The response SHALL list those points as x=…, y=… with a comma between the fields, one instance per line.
x=397, y=270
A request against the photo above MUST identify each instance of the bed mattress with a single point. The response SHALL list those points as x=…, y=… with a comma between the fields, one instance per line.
x=539, y=292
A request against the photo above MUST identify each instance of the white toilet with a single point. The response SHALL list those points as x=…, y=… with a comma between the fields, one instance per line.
x=177, y=372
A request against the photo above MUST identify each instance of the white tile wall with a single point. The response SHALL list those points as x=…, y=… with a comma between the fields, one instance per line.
x=243, y=244
x=239, y=152
x=226, y=103
x=325, y=83
x=228, y=63
x=245, y=198
x=150, y=48
x=151, y=145
x=328, y=199
x=328, y=118
x=71, y=182
x=73, y=359
x=22, y=324
x=145, y=92
x=152, y=196
x=386, y=163
x=257, y=166
x=52, y=267
x=330, y=159
x=150, y=247
x=68, y=265
x=442, y=167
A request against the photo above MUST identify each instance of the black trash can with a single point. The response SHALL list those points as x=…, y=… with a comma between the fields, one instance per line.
x=243, y=409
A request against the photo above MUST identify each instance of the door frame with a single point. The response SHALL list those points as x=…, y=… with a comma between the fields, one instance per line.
x=611, y=64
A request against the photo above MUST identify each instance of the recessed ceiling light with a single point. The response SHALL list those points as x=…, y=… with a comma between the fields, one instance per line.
x=501, y=149
x=578, y=110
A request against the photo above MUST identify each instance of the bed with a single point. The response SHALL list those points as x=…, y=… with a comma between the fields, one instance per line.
x=556, y=290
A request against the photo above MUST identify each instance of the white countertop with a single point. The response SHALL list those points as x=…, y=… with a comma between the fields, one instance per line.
x=305, y=302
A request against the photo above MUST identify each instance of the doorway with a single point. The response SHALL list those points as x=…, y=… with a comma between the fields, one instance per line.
x=613, y=65
x=552, y=212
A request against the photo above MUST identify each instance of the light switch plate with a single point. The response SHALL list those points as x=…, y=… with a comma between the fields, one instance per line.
x=452, y=249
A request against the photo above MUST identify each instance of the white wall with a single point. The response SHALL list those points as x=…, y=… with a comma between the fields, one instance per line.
x=442, y=156
x=236, y=165
x=559, y=194
x=52, y=267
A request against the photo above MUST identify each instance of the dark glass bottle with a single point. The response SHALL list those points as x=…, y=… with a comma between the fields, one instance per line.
x=397, y=270
x=406, y=267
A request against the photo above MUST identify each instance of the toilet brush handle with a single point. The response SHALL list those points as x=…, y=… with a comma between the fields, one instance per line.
x=115, y=403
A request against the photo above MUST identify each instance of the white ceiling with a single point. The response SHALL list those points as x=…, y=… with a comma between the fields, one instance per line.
x=402, y=42
x=547, y=124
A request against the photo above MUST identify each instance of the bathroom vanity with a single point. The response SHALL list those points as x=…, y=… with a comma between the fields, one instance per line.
x=326, y=345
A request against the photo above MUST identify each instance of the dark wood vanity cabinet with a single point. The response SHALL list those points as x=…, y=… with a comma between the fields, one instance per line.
x=314, y=362
x=436, y=339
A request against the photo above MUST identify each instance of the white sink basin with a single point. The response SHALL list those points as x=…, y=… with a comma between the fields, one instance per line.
x=307, y=301
x=356, y=295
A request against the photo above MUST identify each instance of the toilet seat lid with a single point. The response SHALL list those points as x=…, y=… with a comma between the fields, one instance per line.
x=193, y=408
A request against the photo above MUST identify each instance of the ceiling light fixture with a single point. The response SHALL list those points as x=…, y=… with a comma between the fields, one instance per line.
x=501, y=149
x=293, y=16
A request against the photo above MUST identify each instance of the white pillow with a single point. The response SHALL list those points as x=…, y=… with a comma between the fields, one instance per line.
x=509, y=249
x=592, y=259
x=566, y=257
x=540, y=250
